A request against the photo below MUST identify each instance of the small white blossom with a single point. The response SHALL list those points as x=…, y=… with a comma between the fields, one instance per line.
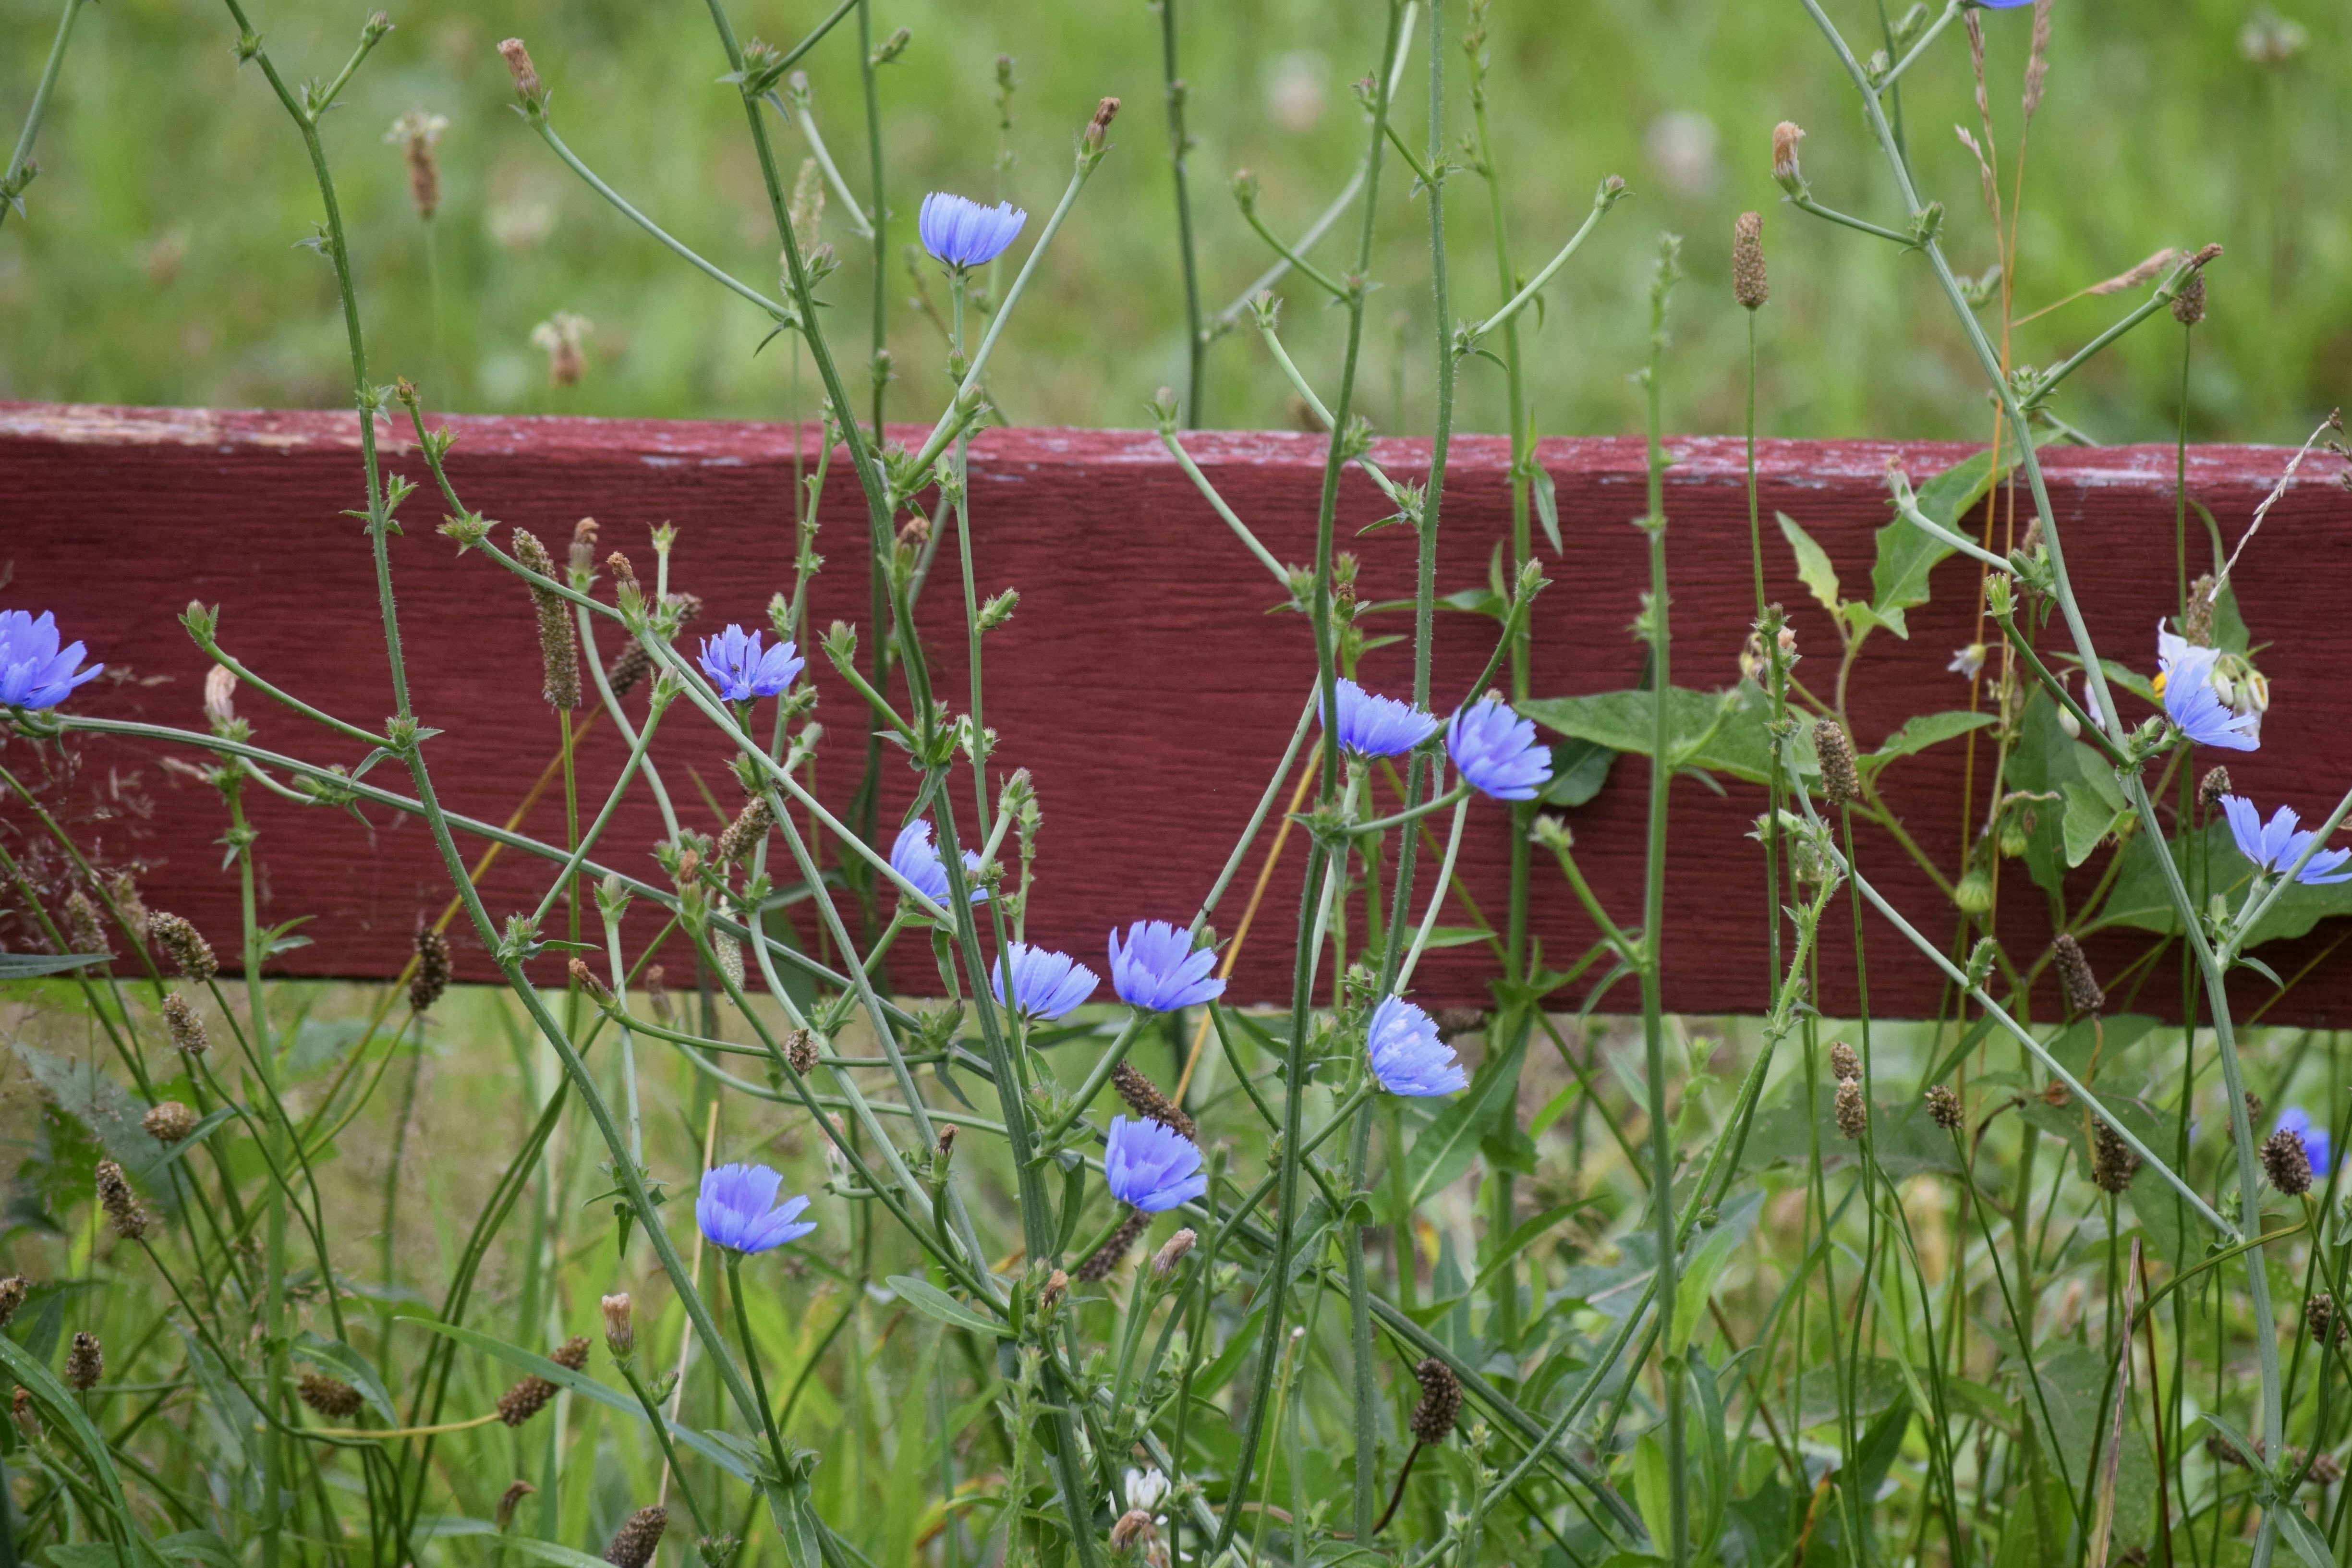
x=1966, y=661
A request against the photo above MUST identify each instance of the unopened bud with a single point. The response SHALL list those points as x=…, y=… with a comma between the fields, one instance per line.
x=620, y=1330
x=1785, y=172
x=1171, y=1252
x=525, y=79
x=1101, y=124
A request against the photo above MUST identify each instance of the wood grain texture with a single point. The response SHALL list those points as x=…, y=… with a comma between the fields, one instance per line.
x=1142, y=681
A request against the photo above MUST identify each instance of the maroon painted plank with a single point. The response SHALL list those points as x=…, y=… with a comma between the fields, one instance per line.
x=1142, y=681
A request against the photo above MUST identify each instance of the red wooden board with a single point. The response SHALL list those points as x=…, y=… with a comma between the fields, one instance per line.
x=1142, y=681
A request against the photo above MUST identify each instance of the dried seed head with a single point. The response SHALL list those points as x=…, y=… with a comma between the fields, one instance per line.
x=2221, y=1451
x=417, y=133
x=1458, y=1020
x=730, y=954
x=2286, y=1164
x=620, y=1328
x=2325, y=1470
x=2074, y=976
x=623, y=574
x=2212, y=787
x=2037, y=61
x=121, y=1205
x=2326, y=1324
x=187, y=1029
x=1845, y=1064
x=1853, y=1113
x=800, y=1050
x=745, y=833
x=433, y=963
x=2055, y=1093
x=572, y=1353
x=13, y=1291
x=1056, y=1286
x=634, y=1542
x=330, y=1397
x=124, y=891
x=658, y=992
x=1134, y=1527
x=85, y=1363
x=559, y=646
x=1944, y=1108
x=85, y=925
x=2197, y=620
x=2113, y=1164
x=1749, y=286
x=1101, y=124
x=1114, y=1249
x=1143, y=1097
x=1440, y=1405
x=28, y=1420
x=1171, y=1252
x=583, y=558
x=170, y=1122
x=526, y=80
x=947, y=1139
x=1841, y=781
x=1785, y=137
x=525, y=1400
x=632, y=664
x=2188, y=304
x=187, y=945
x=585, y=979
x=512, y=1499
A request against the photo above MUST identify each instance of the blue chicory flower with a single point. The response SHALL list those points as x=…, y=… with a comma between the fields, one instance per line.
x=1160, y=970
x=737, y=1209
x=1497, y=750
x=959, y=232
x=1375, y=726
x=2278, y=844
x=914, y=857
x=2190, y=701
x=1407, y=1056
x=2316, y=1142
x=35, y=673
x=739, y=670
x=1046, y=984
x=1151, y=1167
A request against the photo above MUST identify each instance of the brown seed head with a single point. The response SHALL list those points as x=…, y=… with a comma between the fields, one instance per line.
x=2212, y=787
x=558, y=648
x=2074, y=976
x=947, y=1139
x=745, y=833
x=2188, y=304
x=526, y=80
x=85, y=925
x=800, y=1050
x=1458, y=1020
x=1171, y=1252
x=2326, y=1324
x=658, y=992
x=27, y=1419
x=1853, y=1113
x=13, y=1291
x=187, y=945
x=2286, y=1164
x=1841, y=781
x=121, y=1205
x=1749, y=285
x=634, y=1542
x=1114, y=1247
x=2325, y=1470
x=434, y=965
x=1440, y=1405
x=330, y=1397
x=1057, y=1285
x=620, y=1328
x=1845, y=1063
x=180, y=1022
x=583, y=545
x=525, y=1400
x=85, y=1363
x=1143, y=1097
x=1944, y=1108
x=170, y=1122
x=572, y=1353
x=2113, y=1164
x=1101, y=124
x=1134, y=1527
x=2197, y=621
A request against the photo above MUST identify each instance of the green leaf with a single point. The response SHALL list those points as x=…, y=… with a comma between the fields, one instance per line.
x=1924, y=730
x=92, y=1098
x=1578, y=769
x=1546, y=507
x=2296, y=1529
x=2142, y=899
x=24, y=965
x=1445, y=1150
x=1703, y=1265
x=1907, y=553
x=2089, y=819
x=549, y=1551
x=933, y=1302
x=1814, y=568
x=1653, y=1488
x=1719, y=731
x=350, y=1366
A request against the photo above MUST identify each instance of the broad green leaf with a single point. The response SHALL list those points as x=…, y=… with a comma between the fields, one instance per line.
x=1719, y=731
x=1906, y=554
x=201, y=1545
x=2142, y=899
x=796, y=1522
x=1814, y=568
x=549, y=1551
x=1578, y=769
x=2089, y=819
x=2298, y=1531
x=1703, y=1265
x=1653, y=1489
x=1445, y=1150
x=1924, y=730
x=25, y=965
x=91, y=1096
x=933, y=1302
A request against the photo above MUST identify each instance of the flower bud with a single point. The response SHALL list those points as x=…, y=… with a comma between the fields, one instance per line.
x=525, y=79
x=619, y=1331
x=1785, y=172
x=1171, y=1252
x=1973, y=893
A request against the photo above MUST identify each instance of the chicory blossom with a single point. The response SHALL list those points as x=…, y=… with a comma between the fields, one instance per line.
x=2316, y=1142
x=914, y=857
x=1046, y=984
x=2278, y=844
x=1160, y=970
x=1497, y=750
x=1151, y=1167
x=1374, y=726
x=2190, y=701
x=959, y=232
x=737, y=1209
x=1407, y=1056
x=35, y=673
x=741, y=671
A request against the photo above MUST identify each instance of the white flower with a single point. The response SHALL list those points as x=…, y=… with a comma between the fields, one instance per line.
x=1145, y=1489
x=1966, y=661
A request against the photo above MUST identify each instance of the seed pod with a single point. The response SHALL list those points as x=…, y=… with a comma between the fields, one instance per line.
x=13, y=1291
x=2212, y=787
x=745, y=834
x=2326, y=1324
x=85, y=1363
x=330, y=1397
x=2286, y=1164
x=1440, y=1406
x=1972, y=894
x=1748, y=281
x=1143, y=1097
x=434, y=961
x=634, y=1542
x=1171, y=1252
x=800, y=1050
x=2113, y=1164
x=121, y=1205
x=1845, y=1065
x=1107, y=1256
x=85, y=926
x=187, y=945
x=180, y=1022
x=2189, y=305
x=2074, y=976
x=620, y=1330
x=1841, y=781
x=1944, y=1108
x=1853, y=1113
x=559, y=646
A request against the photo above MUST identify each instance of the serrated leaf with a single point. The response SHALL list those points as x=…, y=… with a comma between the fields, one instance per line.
x=1814, y=568
x=933, y=1302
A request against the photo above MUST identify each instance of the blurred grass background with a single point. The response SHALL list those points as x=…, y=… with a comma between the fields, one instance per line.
x=158, y=262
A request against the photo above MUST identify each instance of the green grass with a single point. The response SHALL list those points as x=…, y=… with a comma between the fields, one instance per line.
x=157, y=262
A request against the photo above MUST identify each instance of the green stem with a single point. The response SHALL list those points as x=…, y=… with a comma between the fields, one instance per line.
x=19, y=171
